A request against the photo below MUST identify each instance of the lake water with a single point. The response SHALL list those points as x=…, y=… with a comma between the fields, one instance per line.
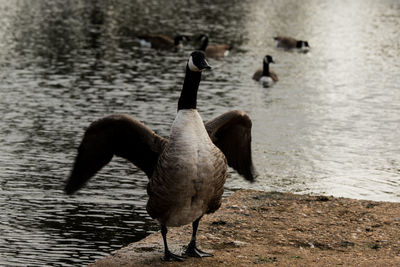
x=331, y=125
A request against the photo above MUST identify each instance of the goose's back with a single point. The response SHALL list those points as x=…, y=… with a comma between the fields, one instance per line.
x=286, y=42
x=257, y=75
x=273, y=76
x=159, y=41
x=217, y=51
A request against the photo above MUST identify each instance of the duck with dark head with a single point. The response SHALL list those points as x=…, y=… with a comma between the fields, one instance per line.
x=289, y=43
x=162, y=42
x=266, y=76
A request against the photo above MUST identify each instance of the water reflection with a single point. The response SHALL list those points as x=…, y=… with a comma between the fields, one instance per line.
x=329, y=126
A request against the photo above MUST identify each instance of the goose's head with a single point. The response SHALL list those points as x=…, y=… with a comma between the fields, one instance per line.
x=268, y=59
x=303, y=47
x=302, y=44
x=202, y=38
x=180, y=39
x=197, y=62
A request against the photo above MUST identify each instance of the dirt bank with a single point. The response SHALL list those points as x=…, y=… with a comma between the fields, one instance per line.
x=254, y=228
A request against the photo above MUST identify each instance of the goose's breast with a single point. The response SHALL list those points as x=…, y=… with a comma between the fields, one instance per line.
x=190, y=174
x=266, y=80
x=191, y=150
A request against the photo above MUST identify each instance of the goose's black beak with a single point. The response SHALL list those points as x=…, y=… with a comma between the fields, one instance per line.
x=205, y=65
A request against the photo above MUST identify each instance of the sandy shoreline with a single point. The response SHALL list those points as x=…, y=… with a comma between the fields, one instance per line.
x=255, y=228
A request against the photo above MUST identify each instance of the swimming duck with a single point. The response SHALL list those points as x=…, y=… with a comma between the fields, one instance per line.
x=186, y=172
x=213, y=51
x=163, y=42
x=266, y=76
x=289, y=43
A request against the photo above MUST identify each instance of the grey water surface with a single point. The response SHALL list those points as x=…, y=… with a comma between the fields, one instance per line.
x=331, y=125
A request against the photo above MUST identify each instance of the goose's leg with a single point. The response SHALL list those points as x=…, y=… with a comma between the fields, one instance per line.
x=192, y=250
x=168, y=255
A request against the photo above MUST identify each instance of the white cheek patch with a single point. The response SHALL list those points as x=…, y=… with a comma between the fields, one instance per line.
x=206, y=62
x=193, y=67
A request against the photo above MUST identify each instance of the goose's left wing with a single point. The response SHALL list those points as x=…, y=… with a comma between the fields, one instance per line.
x=231, y=132
x=120, y=135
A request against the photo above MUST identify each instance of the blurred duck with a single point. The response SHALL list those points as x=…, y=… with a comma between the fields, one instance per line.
x=289, y=43
x=264, y=75
x=163, y=42
x=213, y=51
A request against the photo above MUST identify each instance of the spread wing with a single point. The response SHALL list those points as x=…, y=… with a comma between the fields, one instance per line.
x=119, y=135
x=231, y=133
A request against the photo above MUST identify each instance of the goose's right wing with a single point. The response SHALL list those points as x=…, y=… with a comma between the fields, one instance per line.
x=119, y=135
x=231, y=133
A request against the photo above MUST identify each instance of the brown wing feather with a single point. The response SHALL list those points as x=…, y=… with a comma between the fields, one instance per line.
x=216, y=51
x=286, y=42
x=231, y=133
x=273, y=76
x=257, y=75
x=119, y=135
x=158, y=41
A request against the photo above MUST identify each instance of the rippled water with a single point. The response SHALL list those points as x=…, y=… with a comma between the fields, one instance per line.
x=331, y=124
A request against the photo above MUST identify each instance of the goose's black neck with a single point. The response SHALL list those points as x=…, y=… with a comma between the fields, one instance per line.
x=188, y=98
x=204, y=44
x=265, y=69
x=177, y=40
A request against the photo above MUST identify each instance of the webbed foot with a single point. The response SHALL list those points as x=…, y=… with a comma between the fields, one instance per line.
x=169, y=256
x=193, y=251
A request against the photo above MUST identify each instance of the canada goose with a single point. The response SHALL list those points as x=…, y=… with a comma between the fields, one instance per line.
x=265, y=75
x=187, y=172
x=163, y=42
x=213, y=51
x=289, y=43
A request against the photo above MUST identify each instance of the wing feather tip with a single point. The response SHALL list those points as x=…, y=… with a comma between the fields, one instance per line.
x=73, y=184
x=251, y=177
x=252, y=174
x=244, y=116
x=69, y=189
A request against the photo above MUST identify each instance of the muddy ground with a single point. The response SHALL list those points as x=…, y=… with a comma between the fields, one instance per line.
x=254, y=228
